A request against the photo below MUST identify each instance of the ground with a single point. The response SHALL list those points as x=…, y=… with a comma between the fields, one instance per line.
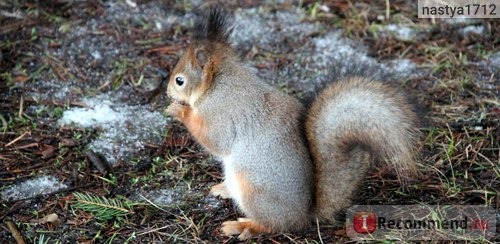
x=87, y=155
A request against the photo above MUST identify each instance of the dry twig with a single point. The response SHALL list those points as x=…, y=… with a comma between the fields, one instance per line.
x=15, y=233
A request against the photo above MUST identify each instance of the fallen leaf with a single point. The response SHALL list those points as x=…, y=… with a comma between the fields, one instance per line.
x=51, y=218
x=48, y=151
x=67, y=142
x=21, y=78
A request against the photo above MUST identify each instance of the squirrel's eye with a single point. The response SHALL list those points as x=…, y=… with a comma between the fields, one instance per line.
x=179, y=80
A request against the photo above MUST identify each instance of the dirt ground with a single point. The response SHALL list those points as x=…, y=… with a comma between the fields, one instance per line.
x=87, y=155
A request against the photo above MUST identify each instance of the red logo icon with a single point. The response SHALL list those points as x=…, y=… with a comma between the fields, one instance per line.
x=365, y=222
x=479, y=224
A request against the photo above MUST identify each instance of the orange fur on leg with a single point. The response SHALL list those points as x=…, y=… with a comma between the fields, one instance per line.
x=245, y=228
x=247, y=189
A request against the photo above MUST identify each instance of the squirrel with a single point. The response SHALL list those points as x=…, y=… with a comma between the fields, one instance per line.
x=284, y=165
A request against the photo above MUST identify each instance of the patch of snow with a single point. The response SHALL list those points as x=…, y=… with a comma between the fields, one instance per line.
x=332, y=51
x=495, y=59
x=401, y=32
x=63, y=93
x=169, y=197
x=333, y=47
x=402, y=66
x=479, y=29
x=265, y=30
x=32, y=188
x=212, y=202
x=124, y=128
x=99, y=113
x=161, y=197
x=55, y=90
x=459, y=20
x=158, y=26
x=96, y=54
x=131, y=3
x=251, y=29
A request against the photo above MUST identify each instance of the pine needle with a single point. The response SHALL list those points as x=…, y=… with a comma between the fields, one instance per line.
x=102, y=208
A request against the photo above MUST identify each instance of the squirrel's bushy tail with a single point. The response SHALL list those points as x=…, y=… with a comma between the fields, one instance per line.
x=350, y=123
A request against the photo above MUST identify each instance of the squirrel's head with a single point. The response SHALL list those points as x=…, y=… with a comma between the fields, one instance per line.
x=195, y=72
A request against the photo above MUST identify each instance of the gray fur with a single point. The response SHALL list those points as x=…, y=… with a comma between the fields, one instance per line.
x=259, y=131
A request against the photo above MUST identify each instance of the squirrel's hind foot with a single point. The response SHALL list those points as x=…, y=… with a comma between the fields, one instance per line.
x=245, y=228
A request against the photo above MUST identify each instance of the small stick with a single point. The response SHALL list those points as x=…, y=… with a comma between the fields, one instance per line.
x=34, y=144
x=18, y=138
x=387, y=10
x=4, y=158
x=15, y=233
x=21, y=107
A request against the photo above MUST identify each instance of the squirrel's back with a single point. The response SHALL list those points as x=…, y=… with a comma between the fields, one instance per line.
x=352, y=122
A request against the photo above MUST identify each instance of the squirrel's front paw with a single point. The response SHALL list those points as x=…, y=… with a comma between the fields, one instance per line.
x=176, y=110
x=220, y=190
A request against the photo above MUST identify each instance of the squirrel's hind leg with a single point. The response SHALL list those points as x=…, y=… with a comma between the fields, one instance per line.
x=245, y=228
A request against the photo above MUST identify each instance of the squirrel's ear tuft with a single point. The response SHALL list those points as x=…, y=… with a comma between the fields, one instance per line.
x=214, y=27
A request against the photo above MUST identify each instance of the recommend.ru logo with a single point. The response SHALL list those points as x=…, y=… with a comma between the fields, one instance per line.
x=420, y=222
